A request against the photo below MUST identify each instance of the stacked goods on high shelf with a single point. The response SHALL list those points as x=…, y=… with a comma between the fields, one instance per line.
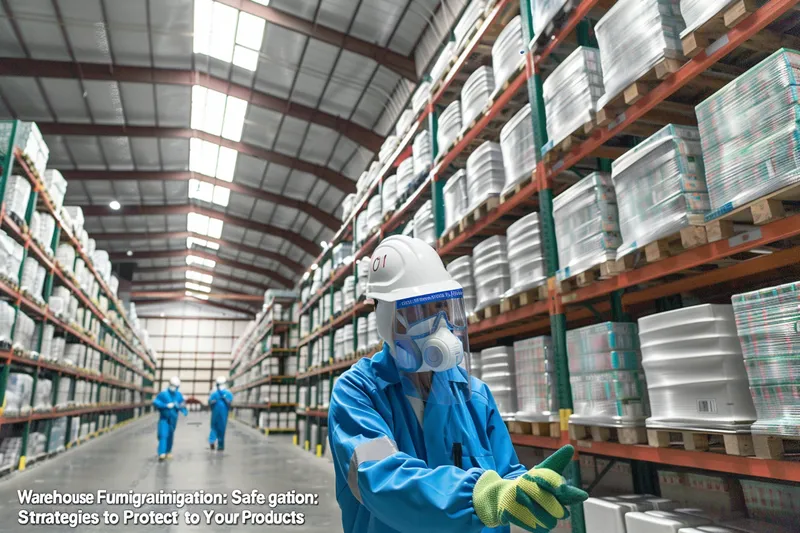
x=498, y=372
x=525, y=260
x=660, y=187
x=476, y=94
x=571, y=94
x=405, y=177
x=537, y=399
x=424, y=226
x=27, y=137
x=694, y=369
x=450, y=126
x=490, y=270
x=388, y=195
x=422, y=153
x=469, y=19
x=634, y=36
x=749, y=131
x=461, y=270
x=587, y=225
x=506, y=53
x=696, y=13
x=485, y=174
x=606, y=377
x=456, y=201
x=518, y=148
x=543, y=12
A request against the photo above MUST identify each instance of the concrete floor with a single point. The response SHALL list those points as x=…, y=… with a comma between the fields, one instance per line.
x=126, y=459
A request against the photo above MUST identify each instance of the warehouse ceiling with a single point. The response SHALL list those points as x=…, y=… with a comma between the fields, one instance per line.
x=229, y=131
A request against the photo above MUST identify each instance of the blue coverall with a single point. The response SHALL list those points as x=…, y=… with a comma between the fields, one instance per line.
x=395, y=474
x=168, y=418
x=220, y=403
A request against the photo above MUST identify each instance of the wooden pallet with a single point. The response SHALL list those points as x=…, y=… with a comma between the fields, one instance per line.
x=516, y=189
x=478, y=213
x=635, y=91
x=524, y=298
x=689, y=237
x=539, y=429
x=717, y=26
x=569, y=142
x=770, y=447
x=608, y=434
x=489, y=311
x=605, y=270
x=740, y=444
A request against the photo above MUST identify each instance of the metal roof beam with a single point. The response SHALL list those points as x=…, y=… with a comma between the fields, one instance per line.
x=183, y=209
x=39, y=68
x=332, y=177
x=196, y=268
x=398, y=63
x=173, y=283
x=179, y=295
x=245, y=310
x=165, y=254
x=166, y=235
x=102, y=175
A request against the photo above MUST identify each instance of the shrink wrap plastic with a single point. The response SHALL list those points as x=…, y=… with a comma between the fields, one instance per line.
x=10, y=257
x=450, y=125
x=405, y=175
x=517, y=146
x=497, y=371
x=422, y=153
x=543, y=12
x=485, y=173
x=56, y=185
x=490, y=270
x=443, y=61
x=767, y=322
x=18, y=192
x=587, y=225
x=697, y=12
x=571, y=94
x=608, y=386
x=633, y=36
x=475, y=95
x=456, y=201
x=537, y=395
x=507, y=52
x=461, y=271
x=467, y=21
x=424, y=227
x=660, y=186
x=750, y=133
x=374, y=211
x=525, y=260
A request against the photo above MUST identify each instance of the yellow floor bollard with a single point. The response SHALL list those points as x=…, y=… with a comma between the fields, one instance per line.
x=319, y=450
x=308, y=445
x=294, y=440
x=22, y=462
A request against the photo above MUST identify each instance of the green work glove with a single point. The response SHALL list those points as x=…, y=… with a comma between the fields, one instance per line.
x=536, y=501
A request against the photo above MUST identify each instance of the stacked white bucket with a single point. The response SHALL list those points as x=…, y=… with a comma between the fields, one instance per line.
x=374, y=213
x=490, y=269
x=516, y=144
x=508, y=52
x=450, y=125
x=362, y=228
x=388, y=194
x=405, y=175
x=476, y=94
x=422, y=153
x=461, y=271
x=468, y=20
x=485, y=173
x=497, y=371
x=525, y=259
x=424, y=228
x=456, y=201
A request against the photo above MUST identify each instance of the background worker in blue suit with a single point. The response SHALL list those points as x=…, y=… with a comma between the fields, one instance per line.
x=419, y=445
x=168, y=402
x=220, y=403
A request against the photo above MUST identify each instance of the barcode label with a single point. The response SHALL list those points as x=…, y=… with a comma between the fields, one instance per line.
x=706, y=406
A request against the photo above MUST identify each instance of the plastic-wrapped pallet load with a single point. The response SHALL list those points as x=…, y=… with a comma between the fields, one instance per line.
x=421, y=97
x=10, y=257
x=497, y=371
x=388, y=195
x=450, y=125
x=507, y=52
x=348, y=339
x=342, y=254
x=443, y=61
x=749, y=132
x=605, y=373
x=362, y=229
x=362, y=270
x=525, y=259
x=773, y=502
x=696, y=12
x=485, y=173
x=665, y=521
x=543, y=12
x=633, y=36
x=24, y=330
x=694, y=368
x=461, y=271
x=27, y=137
x=372, y=330
x=571, y=93
x=404, y=123
x=33, y=275
x=405, y=176
x=766, y=321
x=65, y=255
x=361, y=330
x=469, y=19
x=517, y=146
x=537, y=395
x=7, y=314
x=347, y=204
x=56, y=186
x=422, y=153
x=607, y=515
x=348, y=291
x=44, y=393
x=587, y=225
x=475, y=95
x=424, y=226
x=490, y=270
x=338, y=345
x=46, y=349
x=388, y=148
x=18, y=192
x=660, y=186
x=19, y=390
x=58, y=434
x=456, y=202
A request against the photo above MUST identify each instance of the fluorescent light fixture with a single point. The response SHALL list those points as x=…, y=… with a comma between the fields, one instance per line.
x=314, y=266
x=114, y=205
x=194, y=260
x=194, y=275
x=129, y=253
x=197, y=287
x=210, y=227
x=228, y=34
x=197, y=295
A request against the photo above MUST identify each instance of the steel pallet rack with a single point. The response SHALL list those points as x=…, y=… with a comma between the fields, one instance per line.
x=104, y=328
x=600, y=300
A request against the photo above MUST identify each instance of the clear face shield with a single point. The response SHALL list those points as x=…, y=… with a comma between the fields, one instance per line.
x=431, y=346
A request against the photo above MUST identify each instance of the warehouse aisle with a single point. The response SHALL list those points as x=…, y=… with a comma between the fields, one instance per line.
x=125, y=459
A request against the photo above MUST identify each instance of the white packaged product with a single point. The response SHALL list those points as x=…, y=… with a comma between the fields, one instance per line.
x=456, y=201
x=405, y=177
x=421, y=97
x=476, y=94
x=338, y=345
x=490, y=270
x=44, y=394
x=361, y=329
x=469, y=18
x=422, y=153
x=404, y=122
x=76, y=214
x=7, y=314
x=388, y=147
x=696, y=12
x=518, y=147
x=525, y=259
x=33, y=276
x=544, y=11
x=348, y=291
x=47, y=227
x=485, y=173
x=660, y=186
x=24, y=330
x=374, y=217
x=663, y=521
x=348, y=338
x=461, y=271
x=17, y=195
x=65, y=255
x=347, y=205
x=571, y=94
x=27, y=137
x=443, y=61
x=497, y=371
x=46, y=349
x=537, y=394
x=508, y=52
x=388, y=194
x=587, y=225
x=695, y=370
x=19, y=391
x=607, y=515
x=56, y=185
x=362, y=229
x=633, y=36
x=450, y=125
x=424, y=226
x=10, y=257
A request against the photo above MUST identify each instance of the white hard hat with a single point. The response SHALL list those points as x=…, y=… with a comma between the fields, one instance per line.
x=221, y=380
x=175, y=381
x=403, y=267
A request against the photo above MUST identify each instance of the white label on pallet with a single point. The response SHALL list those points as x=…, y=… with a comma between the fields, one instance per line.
x=744, y=237
x=716, y=45
x=707, y=406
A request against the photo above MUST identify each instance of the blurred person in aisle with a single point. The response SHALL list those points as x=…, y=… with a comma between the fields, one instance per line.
x=169, y=402
x=219, y=401
x=418, y=444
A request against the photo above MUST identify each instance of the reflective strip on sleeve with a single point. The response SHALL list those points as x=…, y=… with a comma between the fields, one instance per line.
x=373, y=450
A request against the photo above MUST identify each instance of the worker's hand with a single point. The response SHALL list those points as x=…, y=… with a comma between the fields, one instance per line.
x=535, y=501
x=170, y=405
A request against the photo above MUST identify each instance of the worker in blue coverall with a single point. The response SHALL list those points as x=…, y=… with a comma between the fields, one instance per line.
x=168, y=402
x=419, y=445
x=219, y=401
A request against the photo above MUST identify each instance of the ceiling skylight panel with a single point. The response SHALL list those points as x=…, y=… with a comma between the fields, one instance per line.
x=194, y=260
x=250, y=32
x=203, y=14
x=203, y=157
x=223, y=30
x=197, y=287
x=208, y=279
x=235, y=110
x=214, y=228
x=197, y=223
x=197, y=295
x=190, y=241
x=226, y=165
x=221, y=196
x=245, y=58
